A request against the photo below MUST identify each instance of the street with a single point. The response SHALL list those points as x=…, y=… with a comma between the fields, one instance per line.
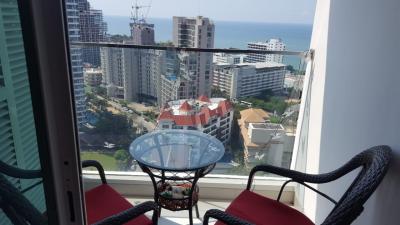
x=138, y=120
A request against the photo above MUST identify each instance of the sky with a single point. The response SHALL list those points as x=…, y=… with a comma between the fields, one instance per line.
x=267, y=11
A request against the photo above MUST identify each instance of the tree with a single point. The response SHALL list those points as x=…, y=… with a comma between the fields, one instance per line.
x=123, y=103
x=150, y=115
x=121, y=155
x=101, y=104
x=265, y=94
x=90, y=96
x=165, y=43
x=100, y=91
x=290, y=68
x=216, y=92
x=123, y=158
x=269, y=103
x=119, y=38
x=275, y=119
x=109, y=123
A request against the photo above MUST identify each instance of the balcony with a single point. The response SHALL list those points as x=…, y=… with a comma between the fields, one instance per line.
x=344, y=108
x=216, y=192
x=227, y=179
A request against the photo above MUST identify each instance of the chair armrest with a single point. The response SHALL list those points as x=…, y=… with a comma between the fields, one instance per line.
x=98, y=166
x=19, y=173
x=302, y=177
x=132, y=213
x=223, y=217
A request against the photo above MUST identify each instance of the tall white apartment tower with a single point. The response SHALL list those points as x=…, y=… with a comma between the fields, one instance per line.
x=270, y=45
x=142, y=33
x=112, y=68
x=76, y=60
x=196, y=68
x=132, y=74
x=140, y=78
x=92, y=29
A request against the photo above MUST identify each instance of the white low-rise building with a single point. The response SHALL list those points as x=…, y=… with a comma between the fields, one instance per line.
x=93, y=77
x=249, y=79
x=229, y=58
x=212, y=116
x=274, y=44
x=264, y=142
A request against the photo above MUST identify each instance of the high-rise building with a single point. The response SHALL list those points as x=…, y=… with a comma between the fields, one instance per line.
x=270, y=45
x=142, y=33
x=131, y=74
x=76, y=60
x=249, y=79
x=169, y=81
x=195, y=75
x=112, y=67
x=139, y=65
x=141, y=70
x=92, y=29
x=195, y=32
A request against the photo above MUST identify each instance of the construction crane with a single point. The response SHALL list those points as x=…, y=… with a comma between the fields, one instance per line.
x=135, y=16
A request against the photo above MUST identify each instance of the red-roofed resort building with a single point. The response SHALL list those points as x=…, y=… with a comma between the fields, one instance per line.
x=212, y=116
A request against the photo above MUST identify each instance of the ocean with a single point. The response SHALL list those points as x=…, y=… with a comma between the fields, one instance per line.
x=297, y=37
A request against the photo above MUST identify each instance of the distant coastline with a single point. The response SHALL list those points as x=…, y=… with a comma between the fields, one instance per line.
x=231, y=34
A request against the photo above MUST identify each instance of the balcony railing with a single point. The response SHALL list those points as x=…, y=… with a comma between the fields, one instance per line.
x=116, y=115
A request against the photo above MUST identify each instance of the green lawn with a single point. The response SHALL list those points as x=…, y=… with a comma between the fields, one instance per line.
x=107, y=161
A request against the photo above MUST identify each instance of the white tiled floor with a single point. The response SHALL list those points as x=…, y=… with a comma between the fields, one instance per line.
x=182, y=217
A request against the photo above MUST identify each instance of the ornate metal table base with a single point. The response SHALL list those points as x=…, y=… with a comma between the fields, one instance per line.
x=177, y=190
x=175, y=160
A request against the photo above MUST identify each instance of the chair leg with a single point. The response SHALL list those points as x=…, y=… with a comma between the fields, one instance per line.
x=191, y=216
x=197, y=211
x=159, y=211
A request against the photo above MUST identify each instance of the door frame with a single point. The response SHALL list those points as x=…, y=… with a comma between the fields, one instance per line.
x=44, y=31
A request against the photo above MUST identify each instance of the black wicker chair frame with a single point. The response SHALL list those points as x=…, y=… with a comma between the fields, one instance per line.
x=374, y=164
x=21, y=212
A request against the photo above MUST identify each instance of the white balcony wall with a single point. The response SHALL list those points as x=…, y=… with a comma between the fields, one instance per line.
x=355, y=99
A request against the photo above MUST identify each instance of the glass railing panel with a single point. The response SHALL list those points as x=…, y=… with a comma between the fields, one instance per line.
x=136, y=91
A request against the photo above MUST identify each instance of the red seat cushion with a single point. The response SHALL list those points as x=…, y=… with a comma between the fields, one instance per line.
x=103, y=201
x=260, y=210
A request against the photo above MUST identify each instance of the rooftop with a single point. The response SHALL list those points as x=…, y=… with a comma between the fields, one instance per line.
x=267, y=126
x=190, y=112
x=92, y=70
x=257, y=65
x=253, y=115
x=272, y=40
x=182, y=106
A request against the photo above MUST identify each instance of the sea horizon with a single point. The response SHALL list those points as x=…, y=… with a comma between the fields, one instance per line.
x=230, y=34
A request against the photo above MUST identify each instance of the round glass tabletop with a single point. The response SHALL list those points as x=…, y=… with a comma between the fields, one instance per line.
x=177, y=150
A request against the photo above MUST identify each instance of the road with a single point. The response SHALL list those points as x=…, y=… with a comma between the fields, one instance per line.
x=138, y=120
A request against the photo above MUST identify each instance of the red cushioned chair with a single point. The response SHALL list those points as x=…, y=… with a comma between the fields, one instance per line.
x=251, y=208
x=105, y=206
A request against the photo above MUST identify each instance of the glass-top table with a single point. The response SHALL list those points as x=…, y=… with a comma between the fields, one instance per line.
x=175, y=160
x=177, y=150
